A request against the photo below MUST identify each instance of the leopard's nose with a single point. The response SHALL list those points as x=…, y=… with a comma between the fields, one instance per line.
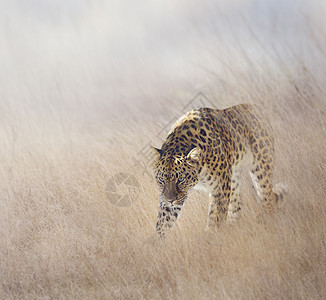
x=170, y=196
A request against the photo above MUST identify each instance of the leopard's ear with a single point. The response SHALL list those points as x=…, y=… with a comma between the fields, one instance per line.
x=193, y=157
x=155, y=154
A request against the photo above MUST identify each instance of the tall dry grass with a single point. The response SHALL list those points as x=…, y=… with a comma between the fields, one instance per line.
x=80, y=99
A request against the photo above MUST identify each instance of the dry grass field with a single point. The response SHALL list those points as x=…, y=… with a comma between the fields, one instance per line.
x=86, y=87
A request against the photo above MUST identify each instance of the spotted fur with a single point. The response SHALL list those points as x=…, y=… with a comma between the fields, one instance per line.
x=205, y=150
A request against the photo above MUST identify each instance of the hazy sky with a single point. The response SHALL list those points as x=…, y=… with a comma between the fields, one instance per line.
x=94, y=47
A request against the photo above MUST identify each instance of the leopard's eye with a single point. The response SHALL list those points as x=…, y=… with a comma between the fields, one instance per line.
x=161, y=180
x=181, y=179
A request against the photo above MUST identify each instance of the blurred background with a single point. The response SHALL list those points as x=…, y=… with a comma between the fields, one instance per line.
x=121, y=57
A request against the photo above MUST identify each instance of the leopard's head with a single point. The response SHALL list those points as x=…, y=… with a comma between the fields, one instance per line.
x=176, y=174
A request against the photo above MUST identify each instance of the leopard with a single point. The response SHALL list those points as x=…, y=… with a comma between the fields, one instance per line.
x=206, y=150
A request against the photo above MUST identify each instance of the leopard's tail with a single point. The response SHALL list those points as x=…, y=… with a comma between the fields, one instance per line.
x=280, y=189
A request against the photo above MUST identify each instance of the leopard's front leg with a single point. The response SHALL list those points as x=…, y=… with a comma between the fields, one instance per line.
x=167, y=216
x=219, y=202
